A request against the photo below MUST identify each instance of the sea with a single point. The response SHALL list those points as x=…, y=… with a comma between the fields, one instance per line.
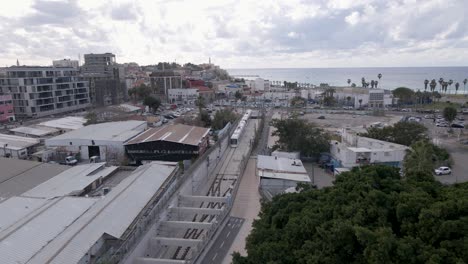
x=394, y=77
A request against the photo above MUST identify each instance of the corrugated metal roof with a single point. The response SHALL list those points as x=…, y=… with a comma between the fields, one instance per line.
x=16, y=209
x=69, y=123
x=189, y=135
x=112, y=131
x=16, y=142
x=285, y=176
x=112, y=215
x=72, y=180
x=30, y=238
x=279, y=164
x=35, y=131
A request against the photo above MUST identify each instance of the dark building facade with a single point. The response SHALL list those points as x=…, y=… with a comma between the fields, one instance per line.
x=169, y=143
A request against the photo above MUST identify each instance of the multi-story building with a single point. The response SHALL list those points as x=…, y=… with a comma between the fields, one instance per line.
x=182, y=95
x=258, y=85
x=100, y=64
x=106, y=79
x=162, y=81
x=66, y=63
x=42, y=91
x=6, y=108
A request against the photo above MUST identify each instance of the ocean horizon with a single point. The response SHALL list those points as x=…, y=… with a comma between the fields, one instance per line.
x=392, y=77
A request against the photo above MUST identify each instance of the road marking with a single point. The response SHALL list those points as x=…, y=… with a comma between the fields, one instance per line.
x=215, y=255
x=228, y=233
x=222, y=244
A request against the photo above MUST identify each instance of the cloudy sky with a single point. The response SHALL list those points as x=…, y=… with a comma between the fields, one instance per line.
x=239, y=33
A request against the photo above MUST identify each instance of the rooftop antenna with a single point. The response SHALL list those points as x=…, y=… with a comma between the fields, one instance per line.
x=79, y=59
x=17, y=62
x=209, y=60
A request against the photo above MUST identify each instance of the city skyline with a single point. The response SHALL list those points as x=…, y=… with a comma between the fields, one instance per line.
x=247, y=34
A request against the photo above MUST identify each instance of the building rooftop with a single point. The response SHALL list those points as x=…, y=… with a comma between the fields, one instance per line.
x=71, y=181
x=18, y=176
x=127, y=108
x=112, y=131
x=68, y=123
x=183, y=134
x=16, y=142
x=281, y=168
x=359, y=149
x=106, y=216
x=38, y=131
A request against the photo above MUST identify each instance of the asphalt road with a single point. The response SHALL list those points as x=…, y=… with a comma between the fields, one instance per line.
x=225, y=238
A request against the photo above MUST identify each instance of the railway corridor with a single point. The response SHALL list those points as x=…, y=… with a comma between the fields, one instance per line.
x=191, y=224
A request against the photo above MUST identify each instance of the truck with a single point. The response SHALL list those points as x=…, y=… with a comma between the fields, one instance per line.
x=70, y=160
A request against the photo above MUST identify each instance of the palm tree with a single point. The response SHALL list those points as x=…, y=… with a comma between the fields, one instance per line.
x=457, y=85
x=348, y=98
x=426, y=82
x=360, y=103
x=464, y=85
x=379, y=76
x=450, y=82
x=349, y=82
x=372, y=83
x=363, y=81
x=441, y=82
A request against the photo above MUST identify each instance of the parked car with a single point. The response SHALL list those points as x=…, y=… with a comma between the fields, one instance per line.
x=70, y=160
x=321, y=117
x=428, y=116
x=442, y=125
x=458, y=125
x=443, y=171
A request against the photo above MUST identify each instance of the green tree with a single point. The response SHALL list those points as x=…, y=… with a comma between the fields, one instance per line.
x=348, y=99
x=424, y=157
x=298, y=101
x=200, y=103
x=152, y=103
x=404, y=133
x=91, y=118
x=405, y=95
x=204, y=118
x=143, y=91
x=370, y=215
x=450, y=113
x=222, y=118
x=238, y=95
x=298, y=135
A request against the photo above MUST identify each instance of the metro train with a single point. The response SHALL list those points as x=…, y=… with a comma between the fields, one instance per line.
x=240, y=129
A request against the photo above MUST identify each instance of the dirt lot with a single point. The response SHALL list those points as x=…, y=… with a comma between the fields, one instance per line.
x=336, y=121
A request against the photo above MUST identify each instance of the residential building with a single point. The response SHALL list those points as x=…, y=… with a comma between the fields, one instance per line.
x=276, y=174
x=42, y=91
x=109, y=91
x=162, y=81
x=182, y=95
x=207, y=93
x=6, y=108
x=67, y=63
x=101, y=64
x=170, y=143
x=258, y=85
x=105, y=140
x=17, y=147
x=354, y=150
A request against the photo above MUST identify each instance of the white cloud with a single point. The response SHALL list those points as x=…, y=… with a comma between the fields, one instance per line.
x=257, y=33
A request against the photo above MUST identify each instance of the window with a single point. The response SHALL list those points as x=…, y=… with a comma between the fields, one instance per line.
x=387, y=154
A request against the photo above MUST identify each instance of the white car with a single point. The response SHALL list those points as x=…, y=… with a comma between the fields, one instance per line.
x=443, y=171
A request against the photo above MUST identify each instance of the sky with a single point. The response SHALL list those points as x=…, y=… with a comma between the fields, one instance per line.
x=239, y=33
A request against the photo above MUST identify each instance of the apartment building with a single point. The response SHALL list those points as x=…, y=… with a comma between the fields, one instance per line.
x=66, y=63
x=42, y=91
x=6, y=108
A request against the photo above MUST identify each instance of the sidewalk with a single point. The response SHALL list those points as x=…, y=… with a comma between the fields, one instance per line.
x=246, y=206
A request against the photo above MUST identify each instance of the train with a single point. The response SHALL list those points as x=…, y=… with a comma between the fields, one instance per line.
x=240, y=129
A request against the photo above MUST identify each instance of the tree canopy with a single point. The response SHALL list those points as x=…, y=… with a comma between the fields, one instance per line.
x=404, y=95
x=298, y=101
x=423, y=157
x=222, y=118
x=450, y=113
x=370, y=215
x=298, y=135
x=91, y=118
x=404, y=133
x=152, y=103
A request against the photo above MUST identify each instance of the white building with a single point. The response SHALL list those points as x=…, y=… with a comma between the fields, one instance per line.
x=17, y=147
x=66, y=123
x=354, y=150
x=35, y=131
x=276, y=174
x=373, y=98
x=66, y=63
x=182, y=95
x=105, y=140
x=258, y=84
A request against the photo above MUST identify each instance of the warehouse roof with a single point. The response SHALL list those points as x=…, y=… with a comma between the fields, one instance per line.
x=16, y=142
x=281, y=168
x=112, y=131
x=106, y=216
x=189, y=135
x=18, y=176
x=32, y=232
x=68, y=123
x=35, y=131
x=73, y=180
